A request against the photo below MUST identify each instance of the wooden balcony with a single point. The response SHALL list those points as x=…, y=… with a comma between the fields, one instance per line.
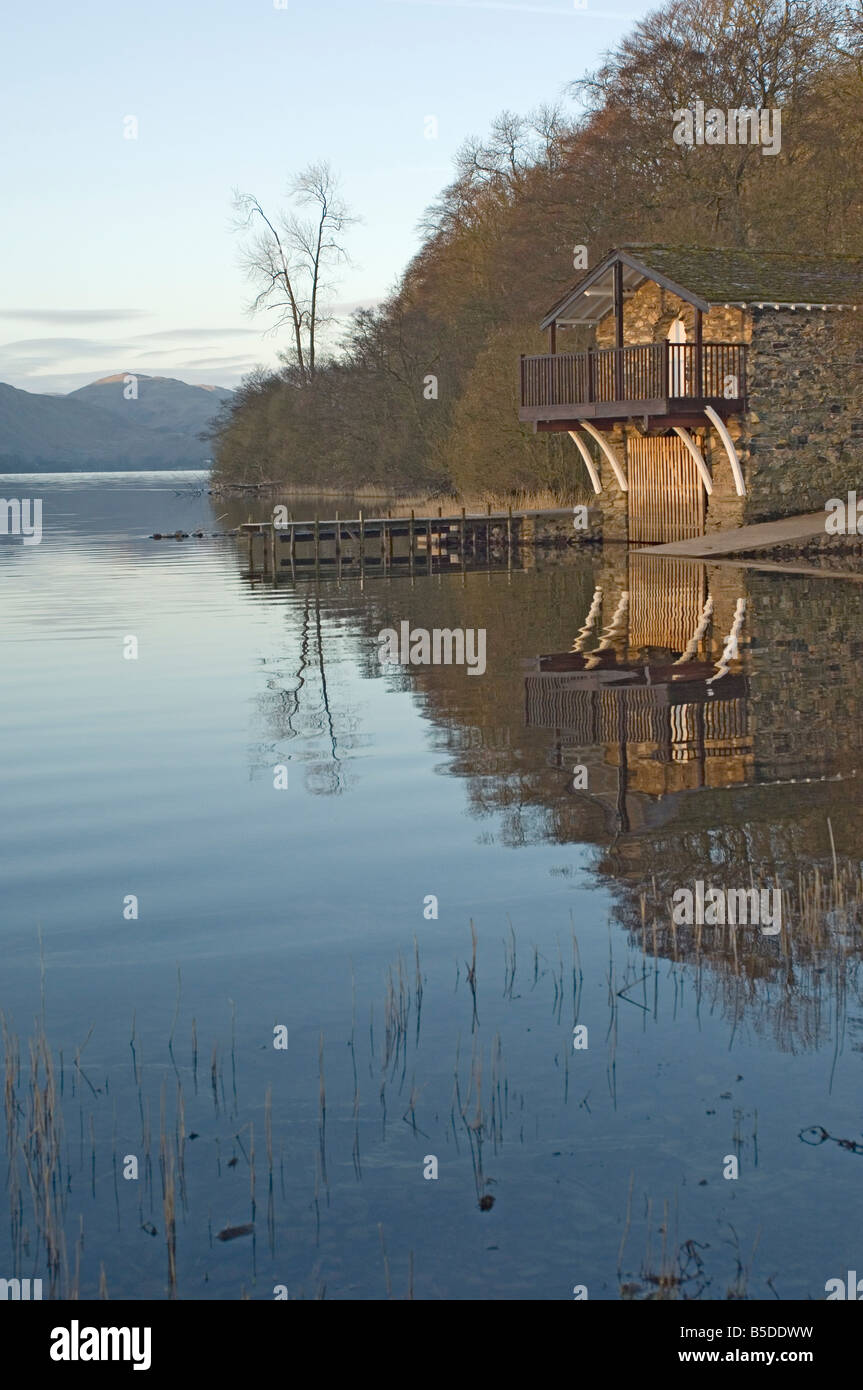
x=650, y=380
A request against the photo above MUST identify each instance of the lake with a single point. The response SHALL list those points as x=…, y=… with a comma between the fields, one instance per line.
x=328, y=978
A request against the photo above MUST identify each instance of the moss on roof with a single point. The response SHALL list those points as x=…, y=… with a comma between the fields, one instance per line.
x=726, y=274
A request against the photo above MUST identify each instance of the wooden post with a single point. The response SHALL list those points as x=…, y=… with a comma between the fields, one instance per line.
x=293, y=542
x=251, y=551
x=618, y=330
x=273, y=545
x=317, y=543
x=590, y=386
x=411, y=541
x=390, y=539
x=552, y=335
x=362, y=541
x=699, y=355
x=509, y=537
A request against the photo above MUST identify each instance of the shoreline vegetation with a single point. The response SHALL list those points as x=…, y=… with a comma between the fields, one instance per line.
x=376, y=502
x=420, y=396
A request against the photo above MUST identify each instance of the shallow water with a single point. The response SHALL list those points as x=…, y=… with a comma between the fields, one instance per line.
x=306, y=907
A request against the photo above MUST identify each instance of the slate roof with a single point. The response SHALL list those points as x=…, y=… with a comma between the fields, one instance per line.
x=724, y=275
x=728, y=274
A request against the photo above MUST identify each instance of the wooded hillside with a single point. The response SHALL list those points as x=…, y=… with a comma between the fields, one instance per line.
x=498, y=246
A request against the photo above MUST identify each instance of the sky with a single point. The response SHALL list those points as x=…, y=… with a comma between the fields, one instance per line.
x=118, y=253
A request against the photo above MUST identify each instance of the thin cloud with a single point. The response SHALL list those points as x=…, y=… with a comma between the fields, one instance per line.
x=63, y=345
x=240, y=363
x=73, y=315
x=521, y=9
x=198, y=333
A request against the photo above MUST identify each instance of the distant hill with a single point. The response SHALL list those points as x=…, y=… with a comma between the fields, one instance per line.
x=96, y=428
x=163, y=403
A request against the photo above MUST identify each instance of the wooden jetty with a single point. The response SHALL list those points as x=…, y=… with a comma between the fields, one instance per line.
x=388, y=545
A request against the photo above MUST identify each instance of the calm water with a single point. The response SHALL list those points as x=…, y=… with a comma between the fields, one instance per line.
x=304, y=908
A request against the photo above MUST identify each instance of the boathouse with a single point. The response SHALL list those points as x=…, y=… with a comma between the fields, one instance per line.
x=706, y=388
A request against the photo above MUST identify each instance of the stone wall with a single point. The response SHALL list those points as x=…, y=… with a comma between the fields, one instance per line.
x=650, y=311
x=611, y=501
x=804, y=430
x=801, y=441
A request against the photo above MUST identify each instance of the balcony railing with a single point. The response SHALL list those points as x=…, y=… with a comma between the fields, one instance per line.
x=650, y=373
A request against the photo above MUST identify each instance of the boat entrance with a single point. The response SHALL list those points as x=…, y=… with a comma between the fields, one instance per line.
x=666, y=495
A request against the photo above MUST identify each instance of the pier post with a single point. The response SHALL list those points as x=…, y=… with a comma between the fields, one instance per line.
x=317, y=544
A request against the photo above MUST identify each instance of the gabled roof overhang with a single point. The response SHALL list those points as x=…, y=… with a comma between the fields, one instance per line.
x=593, y=297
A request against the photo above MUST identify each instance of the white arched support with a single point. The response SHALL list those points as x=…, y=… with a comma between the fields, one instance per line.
x=730, y=450
x=691, y=647
x=615, y=632
x=585, y=630
x=609, y=454
x=589, y=464
x=697, y=458
x=730, y=651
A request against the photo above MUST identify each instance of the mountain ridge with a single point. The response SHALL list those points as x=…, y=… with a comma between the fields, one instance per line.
x=99, y=426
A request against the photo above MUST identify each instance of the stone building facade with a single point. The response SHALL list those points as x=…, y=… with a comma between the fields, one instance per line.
x=798, y=434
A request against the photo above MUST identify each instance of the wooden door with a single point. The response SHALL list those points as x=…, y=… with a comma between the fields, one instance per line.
x=666, y=495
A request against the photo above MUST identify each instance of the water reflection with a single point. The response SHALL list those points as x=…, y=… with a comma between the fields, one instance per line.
x=666, y=720
x=705, y=758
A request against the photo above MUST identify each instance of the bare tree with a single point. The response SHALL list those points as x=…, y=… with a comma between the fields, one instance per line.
x=290, y=256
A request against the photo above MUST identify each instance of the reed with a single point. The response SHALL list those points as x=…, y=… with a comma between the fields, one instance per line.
x=322, y=1107
x=389, y=1281
x=170, y=1218
x=268, y=1132
x=509, y=962
x=471, y=976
